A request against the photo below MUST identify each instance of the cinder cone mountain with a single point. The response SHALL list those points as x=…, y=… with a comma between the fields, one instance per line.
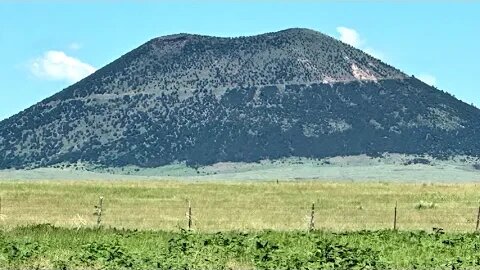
x=201, y=100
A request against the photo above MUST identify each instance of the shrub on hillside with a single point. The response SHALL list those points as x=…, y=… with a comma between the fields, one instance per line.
x=418, y=161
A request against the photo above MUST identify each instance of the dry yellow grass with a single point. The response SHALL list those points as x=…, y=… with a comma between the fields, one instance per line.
x=161, y=205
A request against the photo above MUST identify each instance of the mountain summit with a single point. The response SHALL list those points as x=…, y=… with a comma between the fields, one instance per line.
x=201, y=100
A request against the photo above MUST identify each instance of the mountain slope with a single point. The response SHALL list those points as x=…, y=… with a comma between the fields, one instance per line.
x=204, y=100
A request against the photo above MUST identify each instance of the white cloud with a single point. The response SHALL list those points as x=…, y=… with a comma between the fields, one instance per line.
x=75, y=46
x=349, y=36
x=353, y=38
x=428, y=79
x=56, y=65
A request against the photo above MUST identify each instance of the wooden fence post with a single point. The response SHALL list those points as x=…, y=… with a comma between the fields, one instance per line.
x=99, y=210
x=395, y=216
x=311, y=226
x=189, y=216
x=478, y=219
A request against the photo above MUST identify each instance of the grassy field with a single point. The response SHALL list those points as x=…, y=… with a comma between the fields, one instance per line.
x=47, y=247
x=244, y=206
x=389, y=167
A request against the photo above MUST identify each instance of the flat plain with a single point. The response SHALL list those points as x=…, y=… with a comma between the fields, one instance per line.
x=241, y=205
x=238, y=225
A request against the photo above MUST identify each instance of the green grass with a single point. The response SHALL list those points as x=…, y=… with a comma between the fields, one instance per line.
x=245, y=206
x=237, y=225
x=47, y=247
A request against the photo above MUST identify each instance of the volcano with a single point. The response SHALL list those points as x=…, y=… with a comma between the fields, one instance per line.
x=202, y=100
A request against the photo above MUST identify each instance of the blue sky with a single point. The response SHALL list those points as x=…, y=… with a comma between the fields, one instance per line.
x=47, y=46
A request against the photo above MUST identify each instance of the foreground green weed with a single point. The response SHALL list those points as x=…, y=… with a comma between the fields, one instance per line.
x=48, y=247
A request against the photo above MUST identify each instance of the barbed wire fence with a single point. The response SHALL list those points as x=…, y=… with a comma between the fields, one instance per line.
x=220, y=216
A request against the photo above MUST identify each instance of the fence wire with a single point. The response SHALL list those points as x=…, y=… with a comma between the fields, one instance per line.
x=221, y=215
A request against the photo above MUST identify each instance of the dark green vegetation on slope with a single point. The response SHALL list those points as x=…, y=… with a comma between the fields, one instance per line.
x=204, y=100
x=47, y=247
x=320, y=120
